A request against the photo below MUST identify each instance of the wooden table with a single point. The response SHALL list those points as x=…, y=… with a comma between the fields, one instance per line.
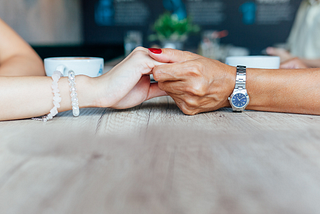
x=154, y=159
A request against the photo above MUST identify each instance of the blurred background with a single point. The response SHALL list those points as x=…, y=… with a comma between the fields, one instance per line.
x=112, y=28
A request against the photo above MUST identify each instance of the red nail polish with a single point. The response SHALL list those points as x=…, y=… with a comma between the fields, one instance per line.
x=155, y=50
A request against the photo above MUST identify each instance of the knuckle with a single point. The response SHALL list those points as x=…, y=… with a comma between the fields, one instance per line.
x=191, y=102
x=188, y=55
x=194, y=69
x=161, y=85
x=156, y=74
x=138, y=51
x=197, y=66
x=197, y=89
x=189, y=89
x=185, y=108
x=188, y=111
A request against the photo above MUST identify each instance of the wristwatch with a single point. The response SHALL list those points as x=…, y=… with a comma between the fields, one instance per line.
x=239, y=98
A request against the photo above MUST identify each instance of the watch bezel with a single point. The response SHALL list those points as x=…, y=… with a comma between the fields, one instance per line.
x=235, y=108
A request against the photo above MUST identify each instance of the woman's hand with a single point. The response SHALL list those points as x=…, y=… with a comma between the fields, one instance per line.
x=128, y=84
x=282, y=53
x=294, y=63
x=197, y=84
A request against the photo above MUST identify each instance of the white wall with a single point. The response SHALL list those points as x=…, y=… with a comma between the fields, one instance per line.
x=44, y=22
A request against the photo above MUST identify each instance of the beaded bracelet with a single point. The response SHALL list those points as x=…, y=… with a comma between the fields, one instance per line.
x=56, y=98
x=73, y=94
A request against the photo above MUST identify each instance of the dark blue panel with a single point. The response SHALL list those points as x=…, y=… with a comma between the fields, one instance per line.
x=252, y=24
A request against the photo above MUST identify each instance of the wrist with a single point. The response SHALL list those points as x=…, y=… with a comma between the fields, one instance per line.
x=258, y=82
x=231, y=73
x=86, y=91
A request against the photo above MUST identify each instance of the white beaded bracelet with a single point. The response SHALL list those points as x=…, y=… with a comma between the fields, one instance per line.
x=56, y=98
x=73, y=94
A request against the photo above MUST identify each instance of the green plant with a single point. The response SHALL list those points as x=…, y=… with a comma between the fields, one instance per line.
x=169, y=27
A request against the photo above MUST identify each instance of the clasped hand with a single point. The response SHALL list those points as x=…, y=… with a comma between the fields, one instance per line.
x=197, y=84
x=128, y=83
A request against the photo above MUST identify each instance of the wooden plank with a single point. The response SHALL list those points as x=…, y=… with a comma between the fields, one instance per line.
x=63, y=122
x=154, y=159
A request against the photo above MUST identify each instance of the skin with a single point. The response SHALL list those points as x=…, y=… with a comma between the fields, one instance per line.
x=17, y=58
x=26, y=91
x=125, y=86
x=198, y=84
x=288, y=60
x=311, y=63
x=294, y=63
x=282, y=53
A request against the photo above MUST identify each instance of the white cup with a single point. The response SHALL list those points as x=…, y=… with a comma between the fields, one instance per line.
x=90, y=66
x=265, y=62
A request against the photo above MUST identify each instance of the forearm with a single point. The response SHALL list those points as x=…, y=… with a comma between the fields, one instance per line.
x=17, y=58
x=294, y=91
x=22, y=65
x=26, y=97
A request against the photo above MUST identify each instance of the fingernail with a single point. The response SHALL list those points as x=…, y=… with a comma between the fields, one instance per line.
x=155, y=50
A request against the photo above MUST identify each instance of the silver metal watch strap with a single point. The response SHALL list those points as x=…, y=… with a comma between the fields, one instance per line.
x=241, y=78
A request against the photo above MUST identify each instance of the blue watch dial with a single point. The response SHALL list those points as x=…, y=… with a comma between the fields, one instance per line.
x=239, y=100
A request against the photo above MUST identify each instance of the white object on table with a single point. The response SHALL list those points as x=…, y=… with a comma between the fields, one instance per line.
x=265, y=62
x=90, y=66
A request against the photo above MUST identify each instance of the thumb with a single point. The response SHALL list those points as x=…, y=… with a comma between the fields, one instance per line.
x=287, y=65
x=167, y=55
x=155, y=91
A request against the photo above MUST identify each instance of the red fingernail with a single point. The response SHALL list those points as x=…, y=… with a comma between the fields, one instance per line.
x=155, y=50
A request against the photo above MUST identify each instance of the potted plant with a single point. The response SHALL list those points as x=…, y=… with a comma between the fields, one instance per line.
x=171, y=31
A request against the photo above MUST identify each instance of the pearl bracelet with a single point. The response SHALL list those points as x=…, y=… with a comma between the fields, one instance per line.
x=56, y=98
x=73, y=94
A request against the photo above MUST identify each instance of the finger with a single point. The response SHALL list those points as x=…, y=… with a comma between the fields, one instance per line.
x=137, y=49
x=272, y=51
x=167, y=55
x=145, y=52
x=168, y=72
x=177, y=87
x=174, y=71
x=183, y=106
x=135, y=65
x=155, y=91
x=286, y=65
x=295, y=63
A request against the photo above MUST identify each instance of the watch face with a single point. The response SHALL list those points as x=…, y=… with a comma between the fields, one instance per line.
x=239, y=100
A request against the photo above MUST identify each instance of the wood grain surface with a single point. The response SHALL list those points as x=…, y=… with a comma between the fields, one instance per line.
x=154, y=159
